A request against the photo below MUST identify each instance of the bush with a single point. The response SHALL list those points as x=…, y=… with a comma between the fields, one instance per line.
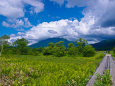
x=59, y=51
x=114, y=50
x=88, y=51
x=72, y=50
x=48, y=51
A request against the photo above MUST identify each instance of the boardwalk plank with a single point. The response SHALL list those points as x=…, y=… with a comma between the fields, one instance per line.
x=112, y=70
x=100, y=70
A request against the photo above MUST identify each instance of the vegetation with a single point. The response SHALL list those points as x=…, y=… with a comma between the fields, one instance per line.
x=113, y=52
x=20, y=47
x=3, y=43
x=88, y=51
x=103, y=80
x=104, y=45
x=26, y=66
x=40, y=70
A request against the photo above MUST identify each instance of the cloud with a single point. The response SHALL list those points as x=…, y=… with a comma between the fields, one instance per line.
x=15, y=8
x=14, y=11
x=68, y=29
x=72, y=3
x=11, y=8
x=97, y=23
x=20, y=33
x=60, y=2
x=19, y=23
x=101, y=10
x=37, y=5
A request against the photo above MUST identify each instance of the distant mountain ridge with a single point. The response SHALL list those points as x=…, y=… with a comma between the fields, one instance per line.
x=45, y=43
x=105, y=45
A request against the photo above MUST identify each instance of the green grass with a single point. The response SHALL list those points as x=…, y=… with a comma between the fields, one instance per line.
x=103, y=80
x=28, y=70
x=113, y=55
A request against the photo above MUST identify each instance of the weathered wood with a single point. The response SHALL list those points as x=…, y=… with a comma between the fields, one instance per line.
x=99, y=70
x=112, y=70
x=108, y=63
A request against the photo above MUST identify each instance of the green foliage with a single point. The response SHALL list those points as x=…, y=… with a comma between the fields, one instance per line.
x=72, y=50
x=105, y=45
x=56, y=49
x=114, y=50
x=4, y=37
x=4, y=43
x=113, y=53
x=37, y=51
x=49, y=50
x=88, y=51
x=80, y=44
x=103, y=80
x=21, y=46
x=20, y=43
x=28, y=70
x=59, y=49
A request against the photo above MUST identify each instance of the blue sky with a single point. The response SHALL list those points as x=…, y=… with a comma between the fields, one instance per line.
x=36, y=20
x=51, y=12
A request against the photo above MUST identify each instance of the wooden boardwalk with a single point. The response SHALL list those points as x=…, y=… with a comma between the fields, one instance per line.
x=107, y=63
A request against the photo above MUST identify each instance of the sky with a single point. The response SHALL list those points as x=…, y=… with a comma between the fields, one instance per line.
x=35, y=20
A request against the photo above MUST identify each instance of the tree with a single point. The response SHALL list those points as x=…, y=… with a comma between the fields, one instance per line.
x=72, y=50
x=21, y=45
x=88, y=51
x=81, y=44
x=3, y=42
x=114, y=51
x=59, y=49
x=49, y=50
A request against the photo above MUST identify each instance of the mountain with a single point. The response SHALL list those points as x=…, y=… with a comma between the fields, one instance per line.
x=45, y=43
x=105, y=45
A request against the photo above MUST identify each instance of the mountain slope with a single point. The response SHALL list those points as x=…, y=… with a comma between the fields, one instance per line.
x=44, y=43
x=105, y=45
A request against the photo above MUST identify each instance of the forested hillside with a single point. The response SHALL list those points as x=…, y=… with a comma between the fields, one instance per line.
x=105, y=45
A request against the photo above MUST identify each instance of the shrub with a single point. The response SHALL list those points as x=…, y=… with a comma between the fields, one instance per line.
x=72, y=50
x=88, y=51
x=114, y=50
x=59, y=51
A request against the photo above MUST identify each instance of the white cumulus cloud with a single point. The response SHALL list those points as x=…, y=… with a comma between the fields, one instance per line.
x=97, y=24
x=17, y=23
x=15, y=8
x=68, y=29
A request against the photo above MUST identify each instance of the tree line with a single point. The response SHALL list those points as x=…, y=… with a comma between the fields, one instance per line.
x=20, y=46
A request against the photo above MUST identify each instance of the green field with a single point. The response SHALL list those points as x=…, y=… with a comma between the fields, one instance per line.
x=47, y=70
x=113, y=55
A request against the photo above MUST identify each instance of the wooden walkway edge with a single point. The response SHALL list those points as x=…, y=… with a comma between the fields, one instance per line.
x=107, y=63
x=112, y=70
x=99, y=70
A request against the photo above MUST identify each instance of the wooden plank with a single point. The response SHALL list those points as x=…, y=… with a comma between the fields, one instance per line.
x=107, y=63
x=99, y=70
x=112, y=70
